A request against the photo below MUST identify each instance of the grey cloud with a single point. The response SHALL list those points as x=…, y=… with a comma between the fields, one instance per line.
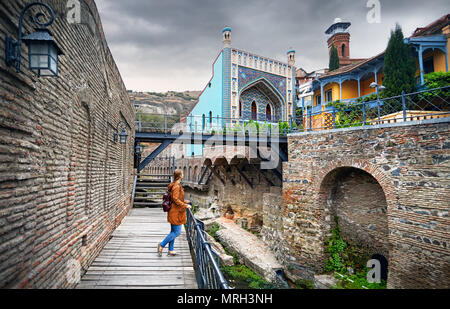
x=172, y=43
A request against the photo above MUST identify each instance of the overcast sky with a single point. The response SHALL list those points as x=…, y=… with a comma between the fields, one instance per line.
x=162, y=45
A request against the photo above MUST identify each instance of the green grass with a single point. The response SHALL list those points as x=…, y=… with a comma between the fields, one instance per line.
x=214, y=228
x=246, y=278
x=342, y=256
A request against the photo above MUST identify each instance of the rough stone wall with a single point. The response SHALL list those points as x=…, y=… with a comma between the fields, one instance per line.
x=410, y=162
x=64, y=184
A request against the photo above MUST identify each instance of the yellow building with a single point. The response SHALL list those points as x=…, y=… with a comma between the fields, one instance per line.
x=352, y=81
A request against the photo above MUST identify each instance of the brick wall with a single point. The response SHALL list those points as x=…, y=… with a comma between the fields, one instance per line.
x=408, y=163
x=64, y=184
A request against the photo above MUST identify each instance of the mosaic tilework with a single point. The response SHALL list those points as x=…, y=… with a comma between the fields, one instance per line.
x=247, y=75
x=328, y=120
x=252, y=94
x=226, y=83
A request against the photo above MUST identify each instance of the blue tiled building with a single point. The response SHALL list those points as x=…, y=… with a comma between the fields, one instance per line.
x=244, y=87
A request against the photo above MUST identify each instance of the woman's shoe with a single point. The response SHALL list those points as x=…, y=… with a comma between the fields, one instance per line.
x=160, y=250
x=172, y=253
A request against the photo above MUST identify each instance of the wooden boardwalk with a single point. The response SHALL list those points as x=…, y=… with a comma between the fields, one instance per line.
x=130, y=260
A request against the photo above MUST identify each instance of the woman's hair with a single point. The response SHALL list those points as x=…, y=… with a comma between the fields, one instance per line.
x=177, y=175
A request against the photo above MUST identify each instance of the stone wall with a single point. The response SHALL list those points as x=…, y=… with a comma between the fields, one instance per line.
x=64, y=184
x=403, y=169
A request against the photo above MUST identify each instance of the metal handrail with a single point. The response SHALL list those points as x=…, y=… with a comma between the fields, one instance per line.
x=378, y=111
x=134, y=187
x=209, y=275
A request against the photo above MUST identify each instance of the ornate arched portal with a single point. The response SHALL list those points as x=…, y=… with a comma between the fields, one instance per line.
x=256, y=97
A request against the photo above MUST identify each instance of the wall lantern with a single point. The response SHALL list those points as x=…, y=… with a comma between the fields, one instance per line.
x=43, y=51
x=138, y=149
x=122, y=137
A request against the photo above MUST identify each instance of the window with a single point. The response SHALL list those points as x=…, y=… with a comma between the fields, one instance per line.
x=254, y=111
x=343, y=50
x=240, y=108
x=329, y=96
x=210, y=117
x=319, y=100
x=203, y=122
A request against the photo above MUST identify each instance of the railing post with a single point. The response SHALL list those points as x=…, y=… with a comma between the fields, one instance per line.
x=404, y=105
x=378, y=107
x=310, y=120
x=165, y=123
x=364, y=113
x=379, y=112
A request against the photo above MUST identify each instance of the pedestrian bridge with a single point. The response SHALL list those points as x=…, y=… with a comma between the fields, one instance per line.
x=130, y=260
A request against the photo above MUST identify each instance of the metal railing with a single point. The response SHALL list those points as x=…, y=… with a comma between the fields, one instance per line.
x=173, y=124
x=205, y=258
x=421, y=105
x=425, y=104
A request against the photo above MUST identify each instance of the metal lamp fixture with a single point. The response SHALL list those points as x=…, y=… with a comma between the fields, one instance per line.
x=43, y=51
x=375, y=85
x=122, y=137
x=138, y=149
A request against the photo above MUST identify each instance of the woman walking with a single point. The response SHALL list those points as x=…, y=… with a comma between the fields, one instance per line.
x=177, y=213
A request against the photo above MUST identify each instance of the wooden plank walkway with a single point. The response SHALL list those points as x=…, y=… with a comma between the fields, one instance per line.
x=130, y=260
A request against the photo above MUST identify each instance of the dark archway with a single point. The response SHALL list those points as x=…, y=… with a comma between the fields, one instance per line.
x=358, y=201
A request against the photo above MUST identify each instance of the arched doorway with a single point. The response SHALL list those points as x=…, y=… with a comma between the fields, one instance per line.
x=355, y=203
x=268, y=113
x=254, y=111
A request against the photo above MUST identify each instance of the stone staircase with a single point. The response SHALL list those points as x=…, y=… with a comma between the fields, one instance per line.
x=150, y=190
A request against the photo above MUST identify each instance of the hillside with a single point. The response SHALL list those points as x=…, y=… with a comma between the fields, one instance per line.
x=172, y=103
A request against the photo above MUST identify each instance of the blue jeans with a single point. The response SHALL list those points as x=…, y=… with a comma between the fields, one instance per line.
x=175, y=231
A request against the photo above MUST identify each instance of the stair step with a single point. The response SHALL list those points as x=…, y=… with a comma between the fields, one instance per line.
x=146, y=204
x=147, y=199
x=150, y=187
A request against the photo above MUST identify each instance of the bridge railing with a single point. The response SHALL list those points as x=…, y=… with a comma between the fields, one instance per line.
x=425, y=104
x=209, y=275
x=172, y=124
x=421, y=105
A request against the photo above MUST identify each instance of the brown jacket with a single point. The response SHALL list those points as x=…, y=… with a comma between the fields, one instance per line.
x=177, y=213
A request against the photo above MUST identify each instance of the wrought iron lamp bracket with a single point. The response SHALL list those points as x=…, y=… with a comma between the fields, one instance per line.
x=13, y=48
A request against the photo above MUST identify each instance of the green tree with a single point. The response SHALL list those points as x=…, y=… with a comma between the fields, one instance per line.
x=334, y=59
x=399, y=65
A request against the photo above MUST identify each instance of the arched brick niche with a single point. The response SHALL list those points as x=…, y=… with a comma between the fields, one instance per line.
x=357, y=200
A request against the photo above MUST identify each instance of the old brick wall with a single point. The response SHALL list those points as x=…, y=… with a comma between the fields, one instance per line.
x=64, y=184
x=409, y=168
